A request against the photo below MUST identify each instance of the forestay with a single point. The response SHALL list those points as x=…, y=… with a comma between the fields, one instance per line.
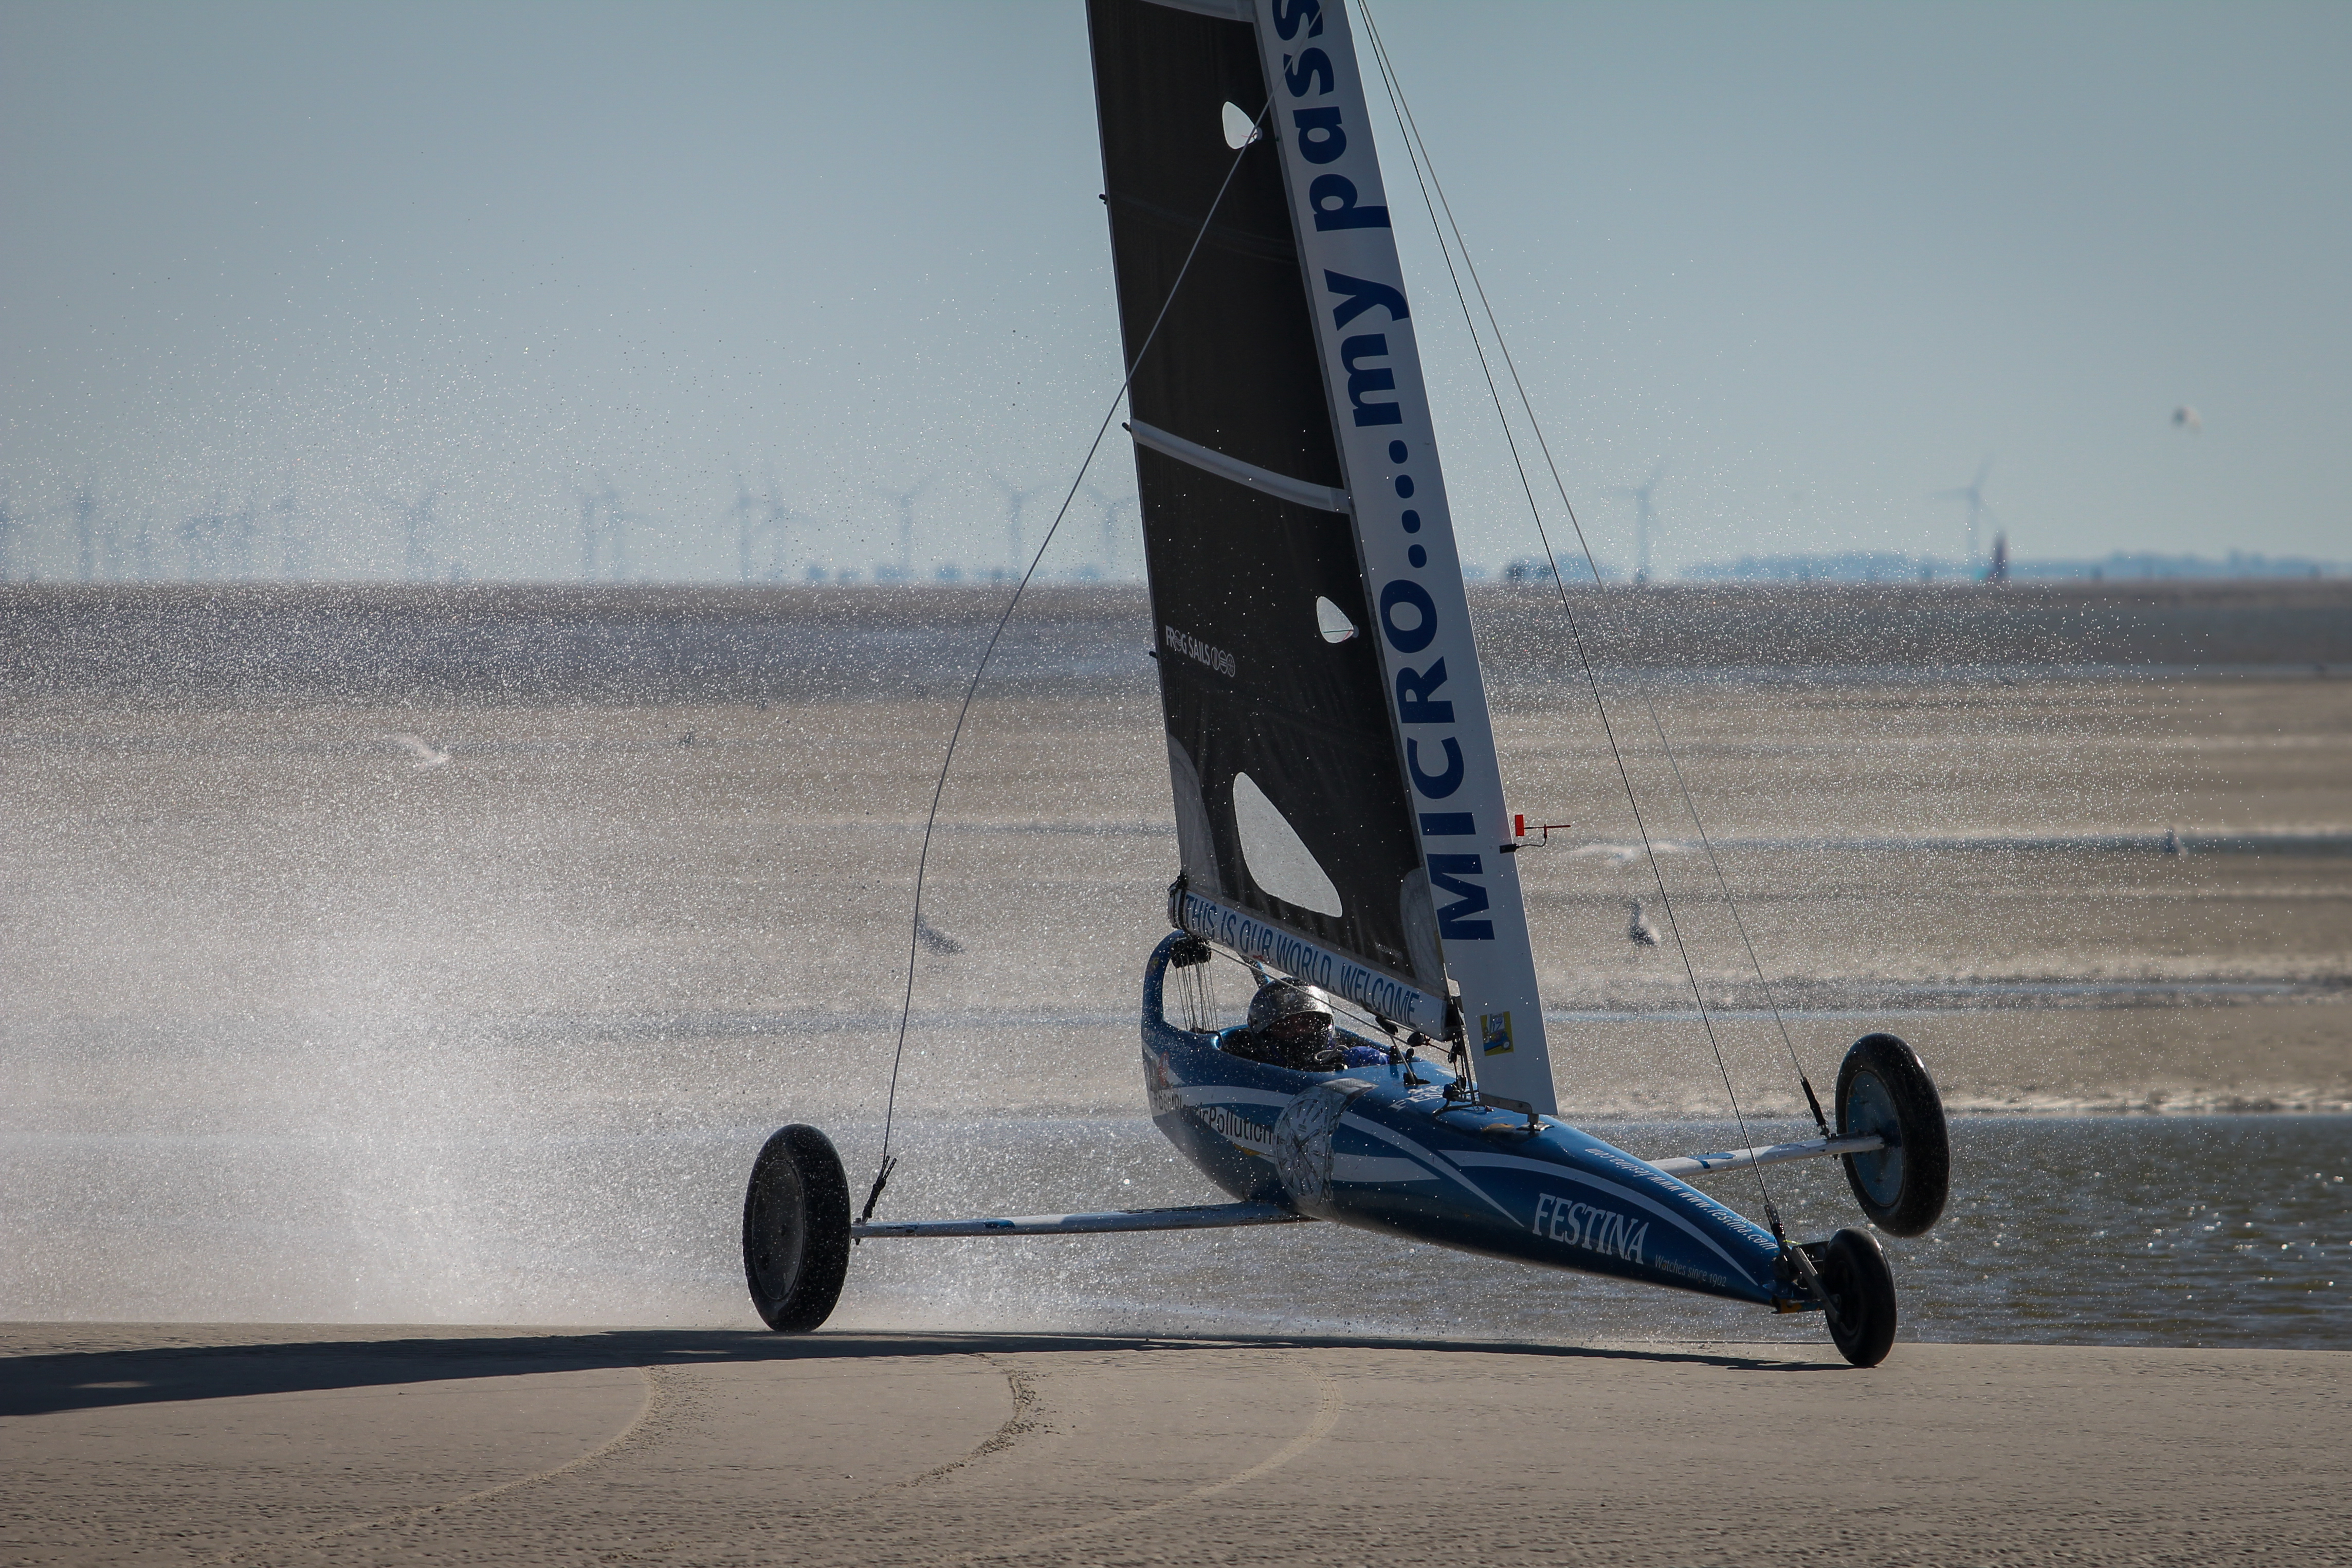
x=1339, y=806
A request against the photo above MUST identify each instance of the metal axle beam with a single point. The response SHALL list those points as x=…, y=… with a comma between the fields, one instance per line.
x=1772, y=1154
x=1199, y=1216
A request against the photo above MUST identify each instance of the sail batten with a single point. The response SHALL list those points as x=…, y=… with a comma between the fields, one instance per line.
x=1225, y=10
x=1322, y=498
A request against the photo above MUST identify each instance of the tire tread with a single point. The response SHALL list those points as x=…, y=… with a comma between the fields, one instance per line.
x=1926, y=1142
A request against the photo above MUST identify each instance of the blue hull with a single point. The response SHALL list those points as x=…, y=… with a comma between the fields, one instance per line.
x=1368, y=1147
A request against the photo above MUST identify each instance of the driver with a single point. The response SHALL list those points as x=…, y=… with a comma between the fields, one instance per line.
x=1290, y=1027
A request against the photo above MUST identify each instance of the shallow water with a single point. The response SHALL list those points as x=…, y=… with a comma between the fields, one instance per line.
x=2190, y=1230
x=2228, y=1230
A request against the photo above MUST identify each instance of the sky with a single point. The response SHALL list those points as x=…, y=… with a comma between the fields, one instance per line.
x=400, y=286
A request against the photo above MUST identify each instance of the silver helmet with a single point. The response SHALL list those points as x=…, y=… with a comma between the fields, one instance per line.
x=1279, y=1001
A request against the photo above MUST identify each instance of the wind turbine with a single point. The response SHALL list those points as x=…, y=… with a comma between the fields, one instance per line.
x=241, y=531
x=603, y=544
x=776, y=525
x=85, y=514
x=1973, y=494
x=200, y=538
x=1646, y=513
x=1111, y=507
x=293, y=537
x=416, y=522
x=591, y=537
x=905, y=502
x=743, y=511
x=1014, y=501
x=618, y=521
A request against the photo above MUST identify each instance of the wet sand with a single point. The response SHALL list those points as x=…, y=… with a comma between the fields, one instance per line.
x=659, y=889
x=125, y=1443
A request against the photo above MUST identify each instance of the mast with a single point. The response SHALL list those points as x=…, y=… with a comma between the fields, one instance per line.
x=1338, y=801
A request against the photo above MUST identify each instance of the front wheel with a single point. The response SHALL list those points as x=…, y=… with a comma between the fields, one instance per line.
x=1862, y=1297
x=796, y=1230
x=1883, y=1088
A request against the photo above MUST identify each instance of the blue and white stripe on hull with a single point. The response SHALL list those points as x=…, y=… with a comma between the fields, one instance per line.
x=1384, y=1149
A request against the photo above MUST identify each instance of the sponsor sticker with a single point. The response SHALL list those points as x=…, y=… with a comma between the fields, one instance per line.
x=1591, y=1228
x=1250, y=1137
x=1495, y=1034
x=1199, y=652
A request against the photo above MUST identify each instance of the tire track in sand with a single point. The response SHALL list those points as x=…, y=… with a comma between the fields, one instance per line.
x=659, y=1399
x=1329, y=1404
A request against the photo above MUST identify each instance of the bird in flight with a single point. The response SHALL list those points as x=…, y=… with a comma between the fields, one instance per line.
x=422, y=755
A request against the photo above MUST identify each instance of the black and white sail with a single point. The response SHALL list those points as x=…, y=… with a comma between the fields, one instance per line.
x=1339, y=806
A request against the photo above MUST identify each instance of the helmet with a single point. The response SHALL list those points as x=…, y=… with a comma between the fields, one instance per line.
x=1278, y=1001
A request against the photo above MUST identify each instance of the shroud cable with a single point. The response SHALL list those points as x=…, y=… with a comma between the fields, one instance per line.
x=1425, y=177
x=1657, y=725
x=923, y=861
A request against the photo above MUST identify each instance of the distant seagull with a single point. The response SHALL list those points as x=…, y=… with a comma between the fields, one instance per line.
x=1638, y=930
x=424, y=755
x=935, y=939
x=2188, y=419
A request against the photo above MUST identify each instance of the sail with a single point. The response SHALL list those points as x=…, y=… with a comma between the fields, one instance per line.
x=1339, y=805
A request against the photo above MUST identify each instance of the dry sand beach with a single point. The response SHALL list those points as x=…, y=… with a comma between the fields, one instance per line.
x=269, y=1446
x=298, y=1031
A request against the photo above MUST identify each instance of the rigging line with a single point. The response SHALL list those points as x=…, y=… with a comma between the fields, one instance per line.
x=1527, y=404
x=1409, y=133
x=939, y=788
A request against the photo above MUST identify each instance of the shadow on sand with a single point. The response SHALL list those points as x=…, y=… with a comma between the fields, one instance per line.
x=38, y=1385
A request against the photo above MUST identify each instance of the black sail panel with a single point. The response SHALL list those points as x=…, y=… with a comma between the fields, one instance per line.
x=1253, y=691
x=1234, y=367
x=1291, y=802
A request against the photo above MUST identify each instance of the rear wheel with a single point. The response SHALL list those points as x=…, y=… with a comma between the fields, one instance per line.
x=796, y=1230
x=1862, y=1297
x=1883, y=1088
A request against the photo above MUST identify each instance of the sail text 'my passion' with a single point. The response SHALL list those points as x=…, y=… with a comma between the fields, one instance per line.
x=1408, y=614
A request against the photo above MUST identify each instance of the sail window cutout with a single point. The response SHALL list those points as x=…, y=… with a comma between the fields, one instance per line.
x=1240, y=127
x=1279, y=861
x=1332, y=621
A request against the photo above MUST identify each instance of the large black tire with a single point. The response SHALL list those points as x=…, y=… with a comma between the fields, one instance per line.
x=796, y=1230
x=1862, y=1290
x=1883, y=1088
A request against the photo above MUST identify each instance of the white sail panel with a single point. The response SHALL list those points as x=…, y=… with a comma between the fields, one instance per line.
x=1413, y=575
x=1278, y=860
